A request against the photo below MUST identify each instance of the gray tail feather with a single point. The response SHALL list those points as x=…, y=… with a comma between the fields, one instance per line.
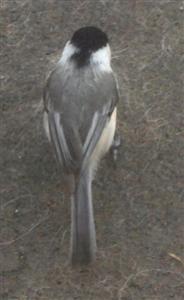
x=83, y=237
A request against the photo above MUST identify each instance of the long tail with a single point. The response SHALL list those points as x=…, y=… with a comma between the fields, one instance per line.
x=83, y=236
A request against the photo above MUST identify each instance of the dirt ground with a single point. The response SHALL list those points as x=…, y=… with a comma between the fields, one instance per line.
x=139, y=207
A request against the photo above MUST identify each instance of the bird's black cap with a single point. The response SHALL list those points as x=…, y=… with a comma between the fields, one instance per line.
x=87, y=39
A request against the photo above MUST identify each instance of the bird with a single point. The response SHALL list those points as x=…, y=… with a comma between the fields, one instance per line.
x=80, y=110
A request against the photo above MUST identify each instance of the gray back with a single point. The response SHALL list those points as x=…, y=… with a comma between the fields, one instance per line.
x=73, y=97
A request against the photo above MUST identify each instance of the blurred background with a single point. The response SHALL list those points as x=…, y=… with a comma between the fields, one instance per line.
x=139, y=208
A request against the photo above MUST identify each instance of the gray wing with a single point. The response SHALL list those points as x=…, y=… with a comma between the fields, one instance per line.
x=67, y=152
x=99, y=122
x=76, y=119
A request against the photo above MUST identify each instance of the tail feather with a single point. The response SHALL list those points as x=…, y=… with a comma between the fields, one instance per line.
x=83, y=237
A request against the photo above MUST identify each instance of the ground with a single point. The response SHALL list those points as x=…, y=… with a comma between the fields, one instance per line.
x=139, y=209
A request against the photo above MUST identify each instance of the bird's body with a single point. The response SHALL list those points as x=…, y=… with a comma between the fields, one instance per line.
x=80, y=118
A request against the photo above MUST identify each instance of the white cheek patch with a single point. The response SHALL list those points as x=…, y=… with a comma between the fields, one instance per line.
x=68, y=51
x=101, y=59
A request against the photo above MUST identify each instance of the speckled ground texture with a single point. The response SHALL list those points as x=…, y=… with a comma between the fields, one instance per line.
x=139, y=203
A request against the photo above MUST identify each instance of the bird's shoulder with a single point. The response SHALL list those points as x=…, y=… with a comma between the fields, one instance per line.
x=64, y=83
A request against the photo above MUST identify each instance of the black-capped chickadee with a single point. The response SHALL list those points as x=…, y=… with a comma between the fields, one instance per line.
x=80, y=99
